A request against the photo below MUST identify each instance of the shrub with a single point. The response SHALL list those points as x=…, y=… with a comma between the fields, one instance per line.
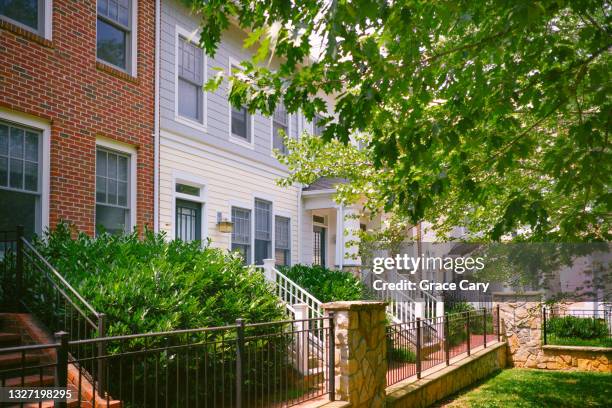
x=153, y=285
x=326, y=285
x=577, y=327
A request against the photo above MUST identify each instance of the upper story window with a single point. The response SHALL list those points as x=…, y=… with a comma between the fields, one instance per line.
x=20, y=179
x=112, y=191
x=280, y=122
x=29, y=14
x=190, y=80
x=317, y=129
x=240, y=119
x=114, y=34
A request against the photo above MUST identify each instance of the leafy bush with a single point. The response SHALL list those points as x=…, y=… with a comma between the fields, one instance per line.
x=153, y=285
x=327, y=285
x=577, y=327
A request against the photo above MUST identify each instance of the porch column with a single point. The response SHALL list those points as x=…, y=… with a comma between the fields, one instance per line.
x=347, y=239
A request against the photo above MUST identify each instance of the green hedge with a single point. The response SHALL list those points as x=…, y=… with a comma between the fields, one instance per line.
x=326, y=285
x=150, y=284
x=584, y=328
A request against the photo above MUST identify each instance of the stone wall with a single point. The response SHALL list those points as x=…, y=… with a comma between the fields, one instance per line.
x=521, y=321
x=577, y=358
x=360, y=352
x=447, y=381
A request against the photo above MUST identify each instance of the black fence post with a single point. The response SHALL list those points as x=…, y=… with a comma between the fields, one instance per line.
x=544, y=323
x=101, y=353
x=467, y=329
x=332, y=358
x=61, y=367
x=19, y=265
x=239, y=359
x=498, y=324
x=446, y=339
x=484, y=331
x=418, y=347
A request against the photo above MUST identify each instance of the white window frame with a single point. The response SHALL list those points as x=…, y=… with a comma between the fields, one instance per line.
x=288, y=216
x=189, y=35
x=132, y=183
x=132, y=51
x=289, y=130
x=45, y=128
x=46, y=20
x=233, y=63
x=180, y=177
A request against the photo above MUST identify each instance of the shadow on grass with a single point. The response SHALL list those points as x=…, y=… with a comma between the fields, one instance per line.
x=536, y=388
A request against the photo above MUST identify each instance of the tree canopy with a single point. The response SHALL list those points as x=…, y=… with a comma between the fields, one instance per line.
x=490, y=114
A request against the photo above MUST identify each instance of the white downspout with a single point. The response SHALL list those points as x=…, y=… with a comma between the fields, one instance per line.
x=156, y=118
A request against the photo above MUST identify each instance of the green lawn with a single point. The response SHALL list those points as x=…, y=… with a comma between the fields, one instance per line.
x=536, y=388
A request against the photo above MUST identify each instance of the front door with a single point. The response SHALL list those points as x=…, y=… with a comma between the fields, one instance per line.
x=319, y=247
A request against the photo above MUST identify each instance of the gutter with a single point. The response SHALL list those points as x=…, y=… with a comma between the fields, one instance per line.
x=156, y=119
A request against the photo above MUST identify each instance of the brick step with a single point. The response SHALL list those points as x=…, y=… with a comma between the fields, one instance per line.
x=12, y=360
x=30, y=381
x=10, y=339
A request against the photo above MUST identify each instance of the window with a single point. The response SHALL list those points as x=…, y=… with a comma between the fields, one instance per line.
x=263, y=230
x=112, y=192
x=317, y=129
x=240, y=120
x=28, y=14
x=190, y=80
x=188, y=220
x=20, y=179
x=187, y=189
x=280, y=121
x=241, y=234
x=282, y=240
x=114, y=34
x=319, y=245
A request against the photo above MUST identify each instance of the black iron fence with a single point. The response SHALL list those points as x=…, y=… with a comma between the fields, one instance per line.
x=419, y=345
x=577, y=327
x=276, y=364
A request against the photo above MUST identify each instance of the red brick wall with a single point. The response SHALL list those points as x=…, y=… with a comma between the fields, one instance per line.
x=60, y=81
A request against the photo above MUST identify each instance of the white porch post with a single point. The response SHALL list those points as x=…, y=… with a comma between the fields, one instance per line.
x=439, y=308
x=301, y=355
x=268, y=265
x=419, y=310
x=350, y=221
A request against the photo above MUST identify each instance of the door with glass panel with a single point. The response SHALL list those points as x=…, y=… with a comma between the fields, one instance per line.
x=319, y=253
x=188, y=221
x=20, y=178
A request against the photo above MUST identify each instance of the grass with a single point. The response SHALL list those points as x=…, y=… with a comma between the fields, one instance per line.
x=565, y=341
x=525, y=388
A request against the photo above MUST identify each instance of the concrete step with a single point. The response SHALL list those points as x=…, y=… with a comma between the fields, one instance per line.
x=30, y=381
x=10, y=339
x=12, y=360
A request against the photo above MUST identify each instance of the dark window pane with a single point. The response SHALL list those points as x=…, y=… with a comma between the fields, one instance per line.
x=112, y=191
x=3, y=171
x=31, y=176
x=112, y=166
x=31, y=146
x=101, y=163
x=103, y=7
x=122, y=193
x=22, y=11
x=16, y=176
x=16, y=143
x=239, y=122
x=187, y=189
x=4, y=135
x=100, y=189
x=189, y=100
x=112, y=44
x=111, y=219
x=18, y=209
x=122, y=168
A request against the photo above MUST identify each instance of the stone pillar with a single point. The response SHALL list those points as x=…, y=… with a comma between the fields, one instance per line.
x=361, y=352
x=521, y=325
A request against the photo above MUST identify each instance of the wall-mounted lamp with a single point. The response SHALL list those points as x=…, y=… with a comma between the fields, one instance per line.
x=224, y=225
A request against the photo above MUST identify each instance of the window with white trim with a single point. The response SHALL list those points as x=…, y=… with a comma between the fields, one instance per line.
x=241, y=232
x=282, y=240
x=190, y=80
x=20, y=178
x=280, y=123
x=112, y=192
x=263, y=230
x=317, y=129
x=240, y=119
x=28, y=14
x=114, y=32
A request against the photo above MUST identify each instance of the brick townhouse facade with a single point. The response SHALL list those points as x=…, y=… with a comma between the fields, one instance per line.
x=77, y=96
